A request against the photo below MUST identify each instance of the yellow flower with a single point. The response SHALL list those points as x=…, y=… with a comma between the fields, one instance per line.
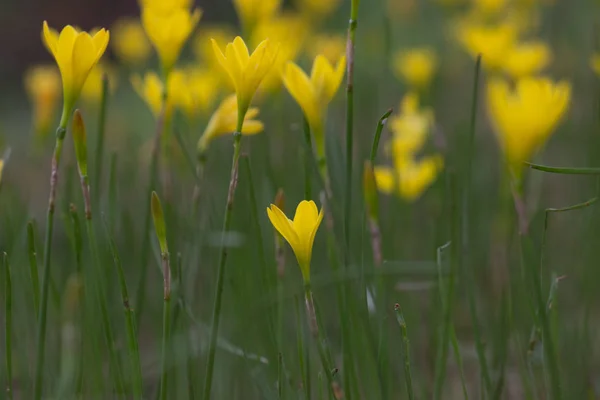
x=299, y=233
x=526, y=59
x=224, y=121
x=168, y=31
x=333, y=47
x=151, y=90
x=166, y=6
x=76, y=53
x=130, y=42
x=92, y=90
x=42, y=84
x=317, y=8
x=315, y=93
x=291, y=32
x=411, y=127
x=416, y=66
x=489, y=7
x=492, y=42
x=526, y=115
x=193, y=90
x=595, y=63
x=409, y=177
x=245, y=71
x=202, y=45
x=251, y=12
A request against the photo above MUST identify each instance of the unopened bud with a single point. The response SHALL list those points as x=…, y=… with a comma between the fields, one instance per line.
x=80, y=141
x=370, y=191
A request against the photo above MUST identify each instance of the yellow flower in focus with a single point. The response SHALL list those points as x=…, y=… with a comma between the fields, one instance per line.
x=291, y=32
x=246, y=71
x=332, y=47
x=130, y=42
x=300, y=232
x=526, y=115
x=168, y=31
x=314, y=94
x=410, y=178
x=224, y=121
x=92, y=90
x=416, y=66
x=595, y=63
x=489, y=7
x=526, y=59
x=492, y=42
x=317, y=8
x=76, y=53
x=42, y=84
x=151, y=89
x=251, y=12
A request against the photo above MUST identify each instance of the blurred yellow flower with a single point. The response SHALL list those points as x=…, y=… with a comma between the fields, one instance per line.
x=130, y=42
x=246, y=71
x=314, y=94
x=92, y=90
x=205, y=85
x=317, y=8
x=151, y=89
x=166, y=6
x=168, y=31
x=76, y=53
x=525, y=116
x=251, y=12
x=202, y=45
x=492, y=42
x=595, y=63
x=409, y=177
x=416, y=67
x=291, y=32
x=224, y=121
x=489, y=7
x=193, y=91
x=42, y=84
x=300, y=232
x=332, y=47
x=411, y=127
x=525, y=59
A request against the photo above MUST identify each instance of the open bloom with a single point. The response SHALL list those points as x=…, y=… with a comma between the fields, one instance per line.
x=299, y=232
x=130, y=42
x=224, y=121
x=526, y=115
x=315, y=93
x=416, y=66
x=168, y=30
x=526, y=59
x=251, y=12
x=76, y=53
x=245, y=71
x=42, y=84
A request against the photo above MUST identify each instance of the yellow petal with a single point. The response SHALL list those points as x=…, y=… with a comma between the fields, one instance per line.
x=50, y=39
x=252, y=127
x=283, y=225
x=384, y=177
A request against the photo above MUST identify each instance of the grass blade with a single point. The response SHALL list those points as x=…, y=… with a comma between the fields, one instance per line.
x=8, y=325
x=404, y=332
x=565, y=170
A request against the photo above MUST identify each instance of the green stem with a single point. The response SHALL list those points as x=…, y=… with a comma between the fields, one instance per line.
x=237, y=141
x=307, y=161
x=41, y=333
x=566, y=170
x=100, y=137
x=404, y=332
x=132, y=341
x=8, y=326
x=279, y=376
x=301, y=351
x=33, y=268
x=166, y=327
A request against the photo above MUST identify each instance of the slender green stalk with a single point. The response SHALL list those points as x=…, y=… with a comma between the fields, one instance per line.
x=307, y=162
x=33, y=267
x=237, y=144
x=380, y=125
x=145, y=248
x=404, y=332
x=467, y=272
x=279, y=376
x=8, y=326
x=565, y=170
x=132, y=341
x=301, y=352
x=77, y=239
x=98, y=159
x=112, y=188
x=41, y=333
x=456, y=260
x=165, y=340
